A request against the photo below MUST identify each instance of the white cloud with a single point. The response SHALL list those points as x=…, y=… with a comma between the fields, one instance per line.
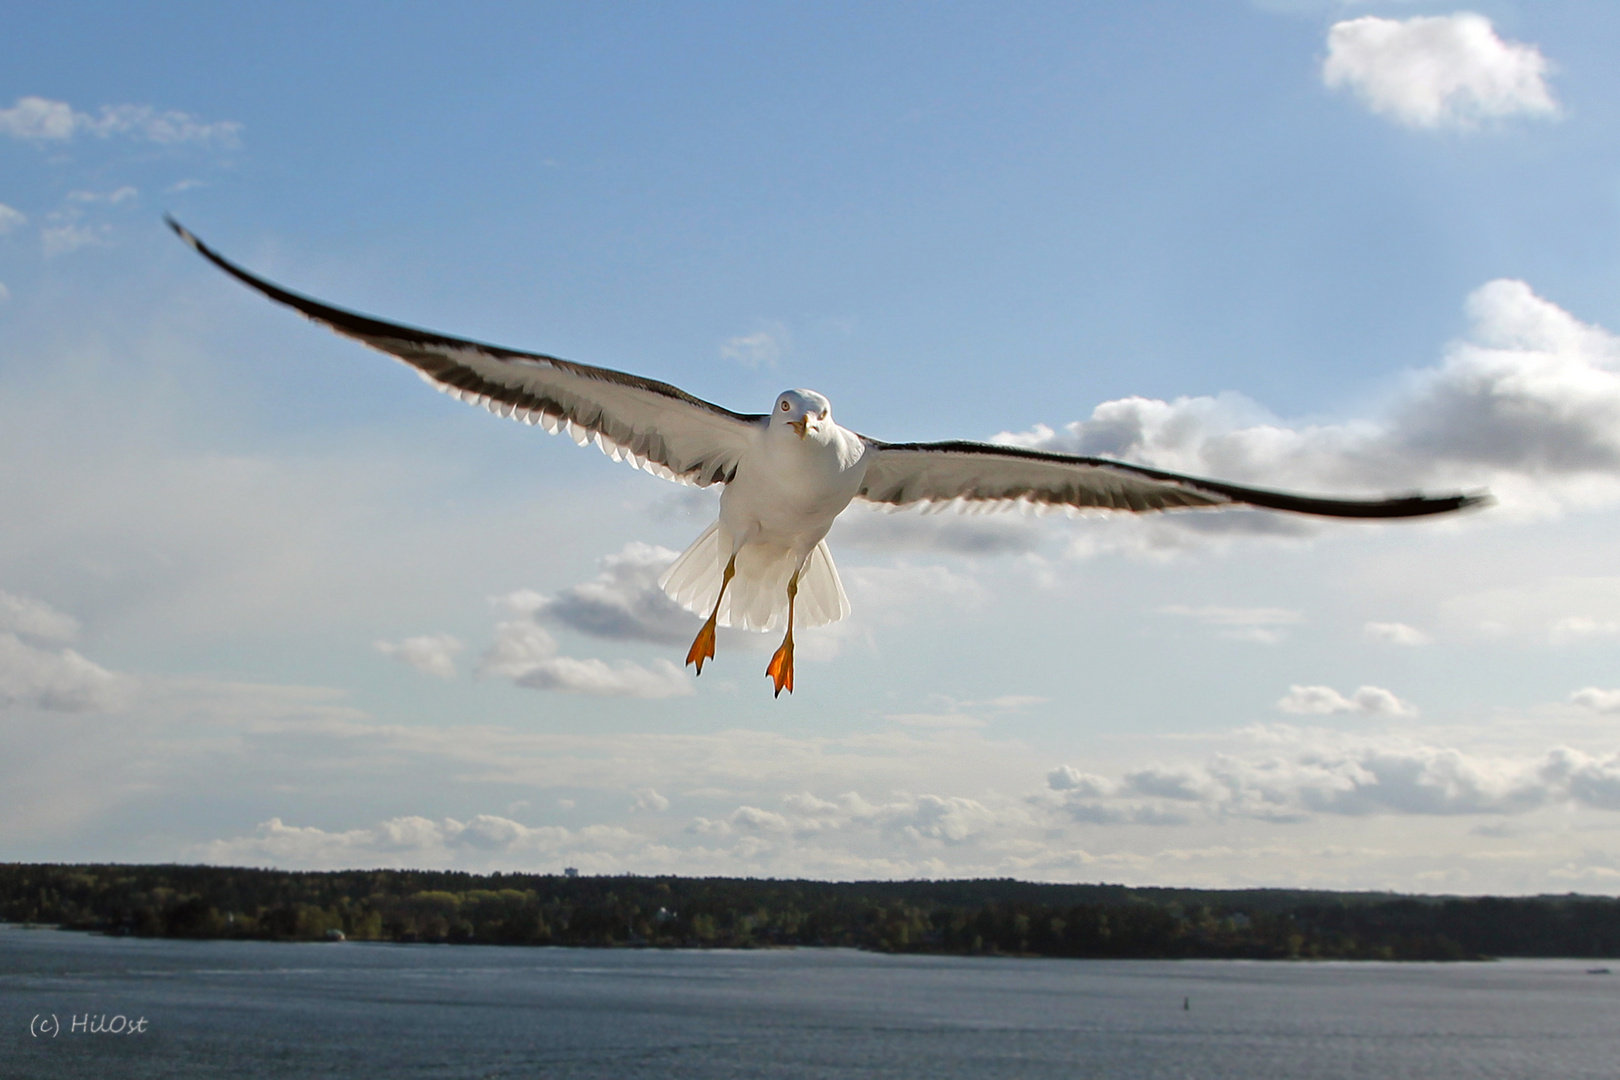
x=1602, y=701
x=41, y=119
x=38, y=118
x=527, y=654
x=763, y=348
x=1324, y=701
x=68, y=234
x=11, y=219
x=433, y=654
x=35, y=619
x=34, y=673
x=1068, y=778
x=1396, y=633
x=1588, y=780
x=1528, y=405
x=1449, y=71
x=920, y=819
x=649, y=801
x=56, y=680
x=950, y=819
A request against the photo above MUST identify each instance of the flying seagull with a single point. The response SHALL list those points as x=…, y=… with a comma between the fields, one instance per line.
x=787, y=473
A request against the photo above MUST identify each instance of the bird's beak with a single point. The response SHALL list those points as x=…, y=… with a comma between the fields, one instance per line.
x=801, y=425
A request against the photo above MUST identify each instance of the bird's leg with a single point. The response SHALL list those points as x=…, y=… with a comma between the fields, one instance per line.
x=780, y=668
x=703, y=645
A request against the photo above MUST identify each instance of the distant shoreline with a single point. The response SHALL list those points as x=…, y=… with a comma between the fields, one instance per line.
x=987, y=917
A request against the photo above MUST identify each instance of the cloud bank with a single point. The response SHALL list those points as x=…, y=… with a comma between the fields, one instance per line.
x=1527, y=405
x=1356, y=779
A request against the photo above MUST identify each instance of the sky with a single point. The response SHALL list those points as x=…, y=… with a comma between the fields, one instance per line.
x=266, y=599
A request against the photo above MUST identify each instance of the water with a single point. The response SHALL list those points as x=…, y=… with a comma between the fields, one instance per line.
x=248, y=1009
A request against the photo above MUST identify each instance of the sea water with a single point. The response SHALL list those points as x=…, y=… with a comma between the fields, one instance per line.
x=220, y=1009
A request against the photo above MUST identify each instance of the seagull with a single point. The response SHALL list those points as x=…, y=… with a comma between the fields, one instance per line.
x=787, y=474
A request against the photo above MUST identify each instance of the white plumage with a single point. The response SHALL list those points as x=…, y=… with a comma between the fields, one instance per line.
x=788, y=473
x=757, y=599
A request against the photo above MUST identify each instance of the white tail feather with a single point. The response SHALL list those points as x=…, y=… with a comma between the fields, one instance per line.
x=757, y=596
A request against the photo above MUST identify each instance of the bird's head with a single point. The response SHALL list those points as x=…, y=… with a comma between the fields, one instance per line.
x=804, y=411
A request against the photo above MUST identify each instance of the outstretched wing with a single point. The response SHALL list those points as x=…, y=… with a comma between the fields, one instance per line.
x=984, y=474
x=652, y=425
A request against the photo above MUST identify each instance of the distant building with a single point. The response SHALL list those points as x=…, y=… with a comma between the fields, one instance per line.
x=571, y=872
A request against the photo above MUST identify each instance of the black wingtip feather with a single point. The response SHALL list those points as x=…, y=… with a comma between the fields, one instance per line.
x=346, y=322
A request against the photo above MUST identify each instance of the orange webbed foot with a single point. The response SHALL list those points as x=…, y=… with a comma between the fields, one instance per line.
x=702, y=646
x=780, y=669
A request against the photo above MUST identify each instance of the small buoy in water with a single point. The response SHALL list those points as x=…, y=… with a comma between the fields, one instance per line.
x=1186, y=1004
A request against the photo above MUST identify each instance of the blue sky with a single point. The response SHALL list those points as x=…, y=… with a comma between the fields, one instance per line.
x=267, y=599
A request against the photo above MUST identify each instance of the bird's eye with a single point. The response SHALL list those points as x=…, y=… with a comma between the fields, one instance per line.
x=786, y=406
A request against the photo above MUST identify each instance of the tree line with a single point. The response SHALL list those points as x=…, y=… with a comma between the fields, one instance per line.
x=988, y=917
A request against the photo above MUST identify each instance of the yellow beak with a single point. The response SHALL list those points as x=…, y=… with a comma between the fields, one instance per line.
x=801, y=425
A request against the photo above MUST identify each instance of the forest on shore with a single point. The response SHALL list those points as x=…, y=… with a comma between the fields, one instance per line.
x=977, y=917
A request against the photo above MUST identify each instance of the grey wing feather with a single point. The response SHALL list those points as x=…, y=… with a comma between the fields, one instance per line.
x=978, y=474
x=653, y=425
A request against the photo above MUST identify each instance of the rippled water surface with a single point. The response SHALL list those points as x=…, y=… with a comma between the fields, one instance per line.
x=243, y=1009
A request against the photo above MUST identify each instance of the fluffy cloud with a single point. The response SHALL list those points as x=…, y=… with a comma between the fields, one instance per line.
x=1528, y=405
x=1396, y=633
x=1449, y=71
x=527, y=654
x=33, y=672
x=433, y=654
x=11, y=219
x=1068, y=778
x=622, y=603
x=1325, y=701
x=59, y=680
x=40, y=119
x=1602, y=701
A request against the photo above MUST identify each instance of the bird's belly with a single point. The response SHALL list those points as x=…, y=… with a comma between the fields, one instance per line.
x=792, y=504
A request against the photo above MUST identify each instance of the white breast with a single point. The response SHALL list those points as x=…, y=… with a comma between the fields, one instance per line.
x=791, y=489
